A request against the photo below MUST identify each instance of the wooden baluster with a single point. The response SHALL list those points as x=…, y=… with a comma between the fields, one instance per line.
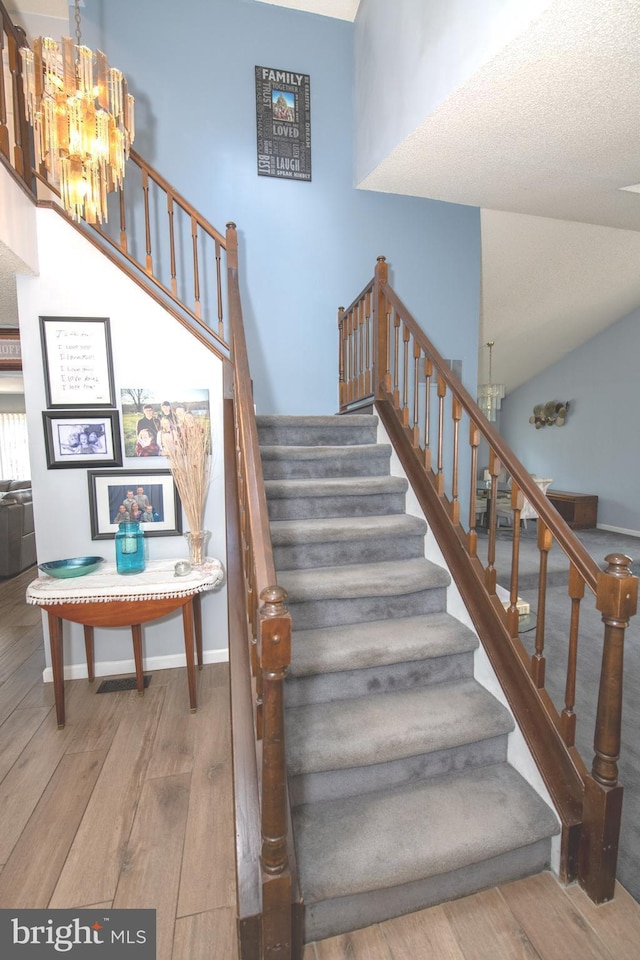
x=490, y=573
x=474, y=443
x=617, y=601
x=368, y=333
x=123, y=219
x=172, y=245
x=361, y=348
x=513, y=614
x=456, y=413
x=147, y=222
x=218, y=256
x=196, y=268
x=442, y=392
x=350, y=356
x=406, y=336
x=5, y=146
x=341, y=351
x=415, y=430
x=396, y=360
x=428, y=372
x=21, y=152
x=568, y=717
x=538, y=662
x=275, y=629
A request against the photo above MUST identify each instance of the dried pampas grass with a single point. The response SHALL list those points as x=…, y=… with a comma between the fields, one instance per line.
x=189, y=455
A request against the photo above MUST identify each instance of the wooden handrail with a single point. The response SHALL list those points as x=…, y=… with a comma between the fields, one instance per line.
x=427, y=433
x=269, y=624
x=16, y=138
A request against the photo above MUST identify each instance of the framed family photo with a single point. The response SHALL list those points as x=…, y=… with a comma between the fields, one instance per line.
x=82, y=438
x=78, y=365
x=149, y=496
x=150, y=417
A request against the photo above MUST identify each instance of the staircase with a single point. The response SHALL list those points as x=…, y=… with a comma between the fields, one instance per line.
x=400, y=788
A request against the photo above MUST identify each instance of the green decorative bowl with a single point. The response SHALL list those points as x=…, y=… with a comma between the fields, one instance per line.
x=75, y=567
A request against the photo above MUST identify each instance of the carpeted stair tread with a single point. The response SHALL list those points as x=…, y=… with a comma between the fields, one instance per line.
x=394, y=837
x=316, y=430
x=378, y=643
x=362, y=580
x=391, y=726
x=334, y=487
x=331, y=529
x=363, y=457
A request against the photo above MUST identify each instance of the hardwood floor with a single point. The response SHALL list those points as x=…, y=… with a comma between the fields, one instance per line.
x=130, y=806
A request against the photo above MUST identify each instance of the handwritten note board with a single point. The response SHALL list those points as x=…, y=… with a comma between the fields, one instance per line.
x=77, y=361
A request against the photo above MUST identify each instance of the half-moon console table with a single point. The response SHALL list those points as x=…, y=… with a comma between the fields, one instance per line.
x=106, y=598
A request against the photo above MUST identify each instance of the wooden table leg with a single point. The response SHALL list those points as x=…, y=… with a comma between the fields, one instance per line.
x=197, y=620
x=187, y=619
x=88, y=646
x=136, y=633
x=57, y=665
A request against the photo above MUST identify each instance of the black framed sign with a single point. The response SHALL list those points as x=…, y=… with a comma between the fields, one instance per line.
x=78, y=366
x=283, y=116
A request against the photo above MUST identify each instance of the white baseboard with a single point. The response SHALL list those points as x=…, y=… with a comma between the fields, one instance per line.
x=115, y=668
x=623, y=530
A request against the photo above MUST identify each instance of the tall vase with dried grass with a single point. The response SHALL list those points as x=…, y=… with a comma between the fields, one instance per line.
x=189, y=454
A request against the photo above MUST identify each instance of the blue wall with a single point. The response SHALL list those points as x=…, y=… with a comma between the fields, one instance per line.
x=597, y=450
x=306, y=248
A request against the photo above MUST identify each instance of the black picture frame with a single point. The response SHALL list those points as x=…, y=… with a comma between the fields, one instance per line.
x=78, y=362
x=82, y=438
x=283, y=123
x=108, y=489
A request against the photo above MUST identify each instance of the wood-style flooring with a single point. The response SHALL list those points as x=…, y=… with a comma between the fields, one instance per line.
x=130, y=806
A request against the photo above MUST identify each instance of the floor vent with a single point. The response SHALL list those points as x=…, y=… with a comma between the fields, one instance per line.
x=122, y=683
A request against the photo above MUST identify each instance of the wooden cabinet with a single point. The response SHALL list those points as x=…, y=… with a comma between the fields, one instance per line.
x=580, y=510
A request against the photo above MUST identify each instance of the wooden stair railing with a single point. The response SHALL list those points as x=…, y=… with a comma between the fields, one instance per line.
x=386, y=359
x=260, y=652
x=16, y=142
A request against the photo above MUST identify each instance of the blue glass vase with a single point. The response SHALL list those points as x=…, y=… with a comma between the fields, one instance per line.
x=130, y=548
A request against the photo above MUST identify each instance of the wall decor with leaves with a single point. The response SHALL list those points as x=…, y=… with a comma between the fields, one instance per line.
x=549, y=414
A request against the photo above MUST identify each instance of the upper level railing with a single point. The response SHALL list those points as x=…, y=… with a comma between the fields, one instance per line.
x=439, y=433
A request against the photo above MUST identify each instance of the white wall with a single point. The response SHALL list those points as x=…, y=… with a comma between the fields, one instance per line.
x=410, y=58
x=151, y=349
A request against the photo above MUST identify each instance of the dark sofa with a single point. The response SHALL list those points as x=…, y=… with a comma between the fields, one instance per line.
x=17, y=537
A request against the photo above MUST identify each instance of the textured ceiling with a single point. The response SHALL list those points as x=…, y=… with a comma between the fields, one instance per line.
x=340, y=9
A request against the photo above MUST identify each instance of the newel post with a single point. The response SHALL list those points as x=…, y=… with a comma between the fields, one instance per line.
x=232, y=246
x=381, y=360
x=617, y=600
x=275, y=650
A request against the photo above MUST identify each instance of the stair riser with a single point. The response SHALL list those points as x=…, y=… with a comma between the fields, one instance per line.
x=356, y=781
x=331, y=917
x=370, y=550
x=325, y=468
x=332, y=612
x=392, y=678
x=313, y=508
x=322, y=436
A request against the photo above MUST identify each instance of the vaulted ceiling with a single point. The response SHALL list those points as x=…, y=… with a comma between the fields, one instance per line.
x=543, y=139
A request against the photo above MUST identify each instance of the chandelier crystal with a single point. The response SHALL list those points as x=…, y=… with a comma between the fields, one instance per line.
x=490, y=395
x=83, y=120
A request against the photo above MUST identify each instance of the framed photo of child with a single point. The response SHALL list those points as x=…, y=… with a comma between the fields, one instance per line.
x=82, y=438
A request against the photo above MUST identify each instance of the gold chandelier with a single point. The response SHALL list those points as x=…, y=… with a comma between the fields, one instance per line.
x=83, y=121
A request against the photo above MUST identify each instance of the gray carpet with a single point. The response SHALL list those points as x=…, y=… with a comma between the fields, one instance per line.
x=599, y=543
